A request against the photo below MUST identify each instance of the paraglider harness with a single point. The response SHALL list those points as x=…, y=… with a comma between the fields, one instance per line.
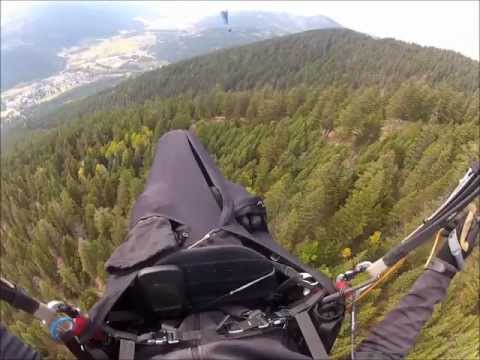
x=204, y=275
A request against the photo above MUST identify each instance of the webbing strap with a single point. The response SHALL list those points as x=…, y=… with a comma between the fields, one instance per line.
x=467, y=225
x=175, y=336
x=310, y=334
x=126, y=350
x=118, y=334
x=455, y=248
x=98, y=354
x=75, y=348
x=306, y=304
x=442, y=267
x=255, y=324
x=207, y=335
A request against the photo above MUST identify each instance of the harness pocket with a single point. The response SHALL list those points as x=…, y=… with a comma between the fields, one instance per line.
x=251, y=214
x=147, y=239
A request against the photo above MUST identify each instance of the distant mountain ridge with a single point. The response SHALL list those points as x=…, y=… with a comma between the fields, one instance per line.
x=41, y=38
x=49, y=29
x=280, y=22
x=246, y=27
x=37, y=77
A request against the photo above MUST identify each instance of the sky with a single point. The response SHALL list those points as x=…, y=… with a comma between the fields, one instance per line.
x=450, y=25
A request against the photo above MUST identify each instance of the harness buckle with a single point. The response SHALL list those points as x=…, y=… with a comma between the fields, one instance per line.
x=257, y=319
x=278, y=321
x=308, y=282
x=172, y=337
x=308, y=279
x=237, y=330
x=164, y=337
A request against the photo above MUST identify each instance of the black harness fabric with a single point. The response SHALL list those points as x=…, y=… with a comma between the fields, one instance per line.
x=179, y=190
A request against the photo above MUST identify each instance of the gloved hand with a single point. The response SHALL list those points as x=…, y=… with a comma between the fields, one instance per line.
x=466, y=225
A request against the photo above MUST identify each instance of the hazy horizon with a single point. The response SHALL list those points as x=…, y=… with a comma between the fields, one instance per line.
x=452, y=25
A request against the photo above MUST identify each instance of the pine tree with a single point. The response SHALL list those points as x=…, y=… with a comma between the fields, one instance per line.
x=365, y=209
x=88, y=252
x=412, y=102
x=363, y=117
x=123, y=191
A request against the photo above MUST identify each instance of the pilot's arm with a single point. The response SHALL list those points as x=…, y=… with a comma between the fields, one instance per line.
x=395, y=335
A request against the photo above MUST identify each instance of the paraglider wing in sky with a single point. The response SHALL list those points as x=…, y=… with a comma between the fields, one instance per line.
x=224, y=15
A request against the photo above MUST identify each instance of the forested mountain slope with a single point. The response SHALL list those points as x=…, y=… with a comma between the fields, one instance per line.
x=348, y=166
x=317, y=57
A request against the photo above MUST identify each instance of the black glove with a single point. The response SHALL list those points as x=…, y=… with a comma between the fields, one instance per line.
x=465, y=227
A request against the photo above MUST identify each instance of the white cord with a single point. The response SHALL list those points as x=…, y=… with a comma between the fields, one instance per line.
x=207, y=236
x=243, y=287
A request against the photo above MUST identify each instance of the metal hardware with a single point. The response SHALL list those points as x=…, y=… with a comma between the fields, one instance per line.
x=55, y=305
x=256, y=320
x=351, y=274
x=61, y=307
x=205, y=237
x=167, y=337
x=235, y=331
x=274, y=257
x=353, y=327
x=455, y=249
x=172, y=338
x=363, y=266
x=308, y=279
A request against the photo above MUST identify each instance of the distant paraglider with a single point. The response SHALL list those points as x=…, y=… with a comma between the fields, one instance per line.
x=224, y=15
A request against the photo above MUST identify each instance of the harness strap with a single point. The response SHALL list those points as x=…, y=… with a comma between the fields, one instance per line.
x=98, y=354
x=310, y=334
x=164, y=337
x=467, y=225
x=300, y=312
x=208, y=335
x=456, y=249
x=305, y=305
x=303, y=279
x=126, y=350
x=442, y=267
x=118, y=334
x=256, y=319
x=75, y=348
